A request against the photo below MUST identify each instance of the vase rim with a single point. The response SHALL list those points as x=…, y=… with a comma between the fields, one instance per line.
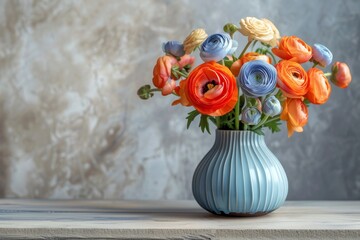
x=238, y=132
x=223, y=130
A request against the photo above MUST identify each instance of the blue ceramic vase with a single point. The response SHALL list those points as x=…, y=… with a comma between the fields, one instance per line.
x=239, y=176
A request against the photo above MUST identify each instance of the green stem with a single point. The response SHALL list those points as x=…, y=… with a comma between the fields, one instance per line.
x=237, y=113
x=261, y=122
x=154, y=90
x=315, y=64
x=237, y=106
x=262, y=99
x=272, y=55
x=253, y=45
x=271, y=120
x=244, y=106
x=218, y=122
x=328, y=74
x=245, y=48
x=180, y=73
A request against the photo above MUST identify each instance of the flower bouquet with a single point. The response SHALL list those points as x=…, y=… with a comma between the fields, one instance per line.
x=242, y=94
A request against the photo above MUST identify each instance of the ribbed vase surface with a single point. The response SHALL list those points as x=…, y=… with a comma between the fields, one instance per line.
x=239, y=176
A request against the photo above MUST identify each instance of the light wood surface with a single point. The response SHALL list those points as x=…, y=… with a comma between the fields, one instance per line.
x=81, y=219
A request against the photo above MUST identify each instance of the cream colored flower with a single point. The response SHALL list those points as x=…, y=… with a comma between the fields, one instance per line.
x=277, y=36
x=256, y=29
x=195, y=38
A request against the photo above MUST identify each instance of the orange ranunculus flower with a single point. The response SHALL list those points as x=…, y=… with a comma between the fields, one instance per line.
x=292, y=79
x=294, y=49
x=211, y=89
x=250, y=56
x=162, y=74
x=295, y=113
x=341, y=75
x=319, y=87
x=162, y=77
x=180, y=90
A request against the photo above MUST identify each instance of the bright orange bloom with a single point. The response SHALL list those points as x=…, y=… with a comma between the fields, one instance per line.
x=162, y=77
x=162, y=70
x=341, y=75
x=294, y=49
x=295, y=113
x=319, y=87
x=250, y=56
x=180, y=90
x=292, y=79
x=211, y=89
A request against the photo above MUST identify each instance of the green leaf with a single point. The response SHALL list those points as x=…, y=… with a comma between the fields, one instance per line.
x=259, y=131
x=307, y=102
x=260, y=50
x=273, y=125
x=204, y=124
x=145, y=92
x=187, y=67
x=279, y=95
x=191, y=116
x=213, y=120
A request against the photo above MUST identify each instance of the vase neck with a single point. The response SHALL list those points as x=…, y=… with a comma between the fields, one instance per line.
x=238, y=137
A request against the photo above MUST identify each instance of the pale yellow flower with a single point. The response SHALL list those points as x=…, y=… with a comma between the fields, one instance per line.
x=195, y=38
x=277, y=36
x=256, y=29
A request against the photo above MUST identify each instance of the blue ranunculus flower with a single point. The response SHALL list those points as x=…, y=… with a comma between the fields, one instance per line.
x=322, y=54
x=215, y=47
x=257, y=78
x=271, y=106
x=250, y=115
x=233, y=48
x=174, y=48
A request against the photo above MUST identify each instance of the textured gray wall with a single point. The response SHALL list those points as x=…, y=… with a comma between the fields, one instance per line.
x=71, y=125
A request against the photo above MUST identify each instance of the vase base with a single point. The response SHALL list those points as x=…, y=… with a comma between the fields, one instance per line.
x=234, y=214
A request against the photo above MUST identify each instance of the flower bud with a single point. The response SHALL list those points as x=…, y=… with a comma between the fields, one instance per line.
x=230, y=28
x=174, y=48
x=250, y=116
x=195, y=39
x=322, y=54
x=144, y=92
x=341, y=75
x=272, y=106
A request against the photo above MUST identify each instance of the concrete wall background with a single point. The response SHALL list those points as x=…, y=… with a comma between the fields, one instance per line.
x=71, y=125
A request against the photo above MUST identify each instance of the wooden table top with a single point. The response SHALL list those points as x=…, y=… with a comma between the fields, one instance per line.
x=91, y=219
